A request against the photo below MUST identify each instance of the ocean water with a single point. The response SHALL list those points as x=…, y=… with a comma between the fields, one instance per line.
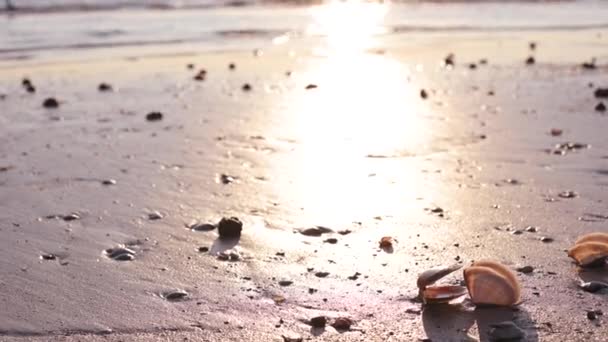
x=42, y=27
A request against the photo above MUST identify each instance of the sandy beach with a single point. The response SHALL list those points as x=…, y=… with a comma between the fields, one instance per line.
x=332, y=135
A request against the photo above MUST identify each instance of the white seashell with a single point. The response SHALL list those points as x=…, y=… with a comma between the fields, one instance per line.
x=589, y=253
x=491, y=283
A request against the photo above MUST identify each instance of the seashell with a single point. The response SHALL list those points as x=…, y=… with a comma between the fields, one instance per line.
x=442, y=294
x=491, y=283
x=430, y=276
x=593, y=237
x=589, y=253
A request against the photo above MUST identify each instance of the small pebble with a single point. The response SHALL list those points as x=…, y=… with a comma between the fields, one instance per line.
x=423, y=94
x=71, y=217
x=203, y=249
x=230, y=227
x=155, y=215
x=285, y=282
x=318, y=322
x=108, y=182
x=311, y=86
x=48, y=257
x=525, y=269
x=175, y=296
x=231, y=66
x=591, y=315
x=104, y=87
x=342, y=323
x=600, y=107
x=154, y=116
x=530, y=60
x=321, y=274
x=50, y=102
x=546, y=239
x=246, y=87
x=531, y=229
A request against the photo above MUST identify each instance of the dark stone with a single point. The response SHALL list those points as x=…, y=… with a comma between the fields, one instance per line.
x=190, y=66
x=525, y=269
x=203, y=249
x=423, y=94
x=246, y=87
x=546, y=239
x=531, y=229
x=154, y=116
x=155, y=215
x=331, y=240
x=342, y=323
x=202, y=227
x=176, y=296
x=104, y=87
x=30, y=88
x=321, y=274
x=230, y=227
x=601, y=93
x=532, y=45
x=530, y=60
x=318, y=322
x=600, y=107
x=226, y=179
x=71, y=217
x=472, y=66
x=50, y=102
x=311, y=86
x=591, y=315
x=231, y=66
x=589, y=65
x=48, y=257
x=593, y=286
x=449, y=60
x=316, y=231
x=285, y=282
x=108, y=182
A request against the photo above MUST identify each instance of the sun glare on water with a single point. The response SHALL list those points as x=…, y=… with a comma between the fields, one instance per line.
x=364, y=108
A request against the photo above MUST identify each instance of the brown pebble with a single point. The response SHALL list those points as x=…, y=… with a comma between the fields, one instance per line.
x=591, y=315
x=342, y=323
x=546, y=239
x=311, y=86
x=321, y=274
x=108, y=182
x=525, y=269
x=50, y=102
x=331, y=240
x=601, y=93
x=600, y=107
x=104, y=87
x=230, y=227
x=318, y=322
x=423, y=94
x=530, y=60
x=285, y=282
x=246, y=87
x=203, y=249
x=154, y=116
x=231, y=66
x=589, y=65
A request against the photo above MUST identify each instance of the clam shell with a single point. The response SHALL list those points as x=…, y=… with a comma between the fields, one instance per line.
x=430, y=276
x=442, y=294
x=593, y=237
x=491, y=283
x=589, y=253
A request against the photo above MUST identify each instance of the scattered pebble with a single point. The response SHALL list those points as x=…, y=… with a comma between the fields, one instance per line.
x=71, y=217
x=201, y=227
x=203, y=249
x=50, y=102
x=567, y=194
x=449, y=60
x=423, y=94
x=333, y=241
x=601, y=93
x=506, y=331
x=321, y=274
x=546, y=239
x=600, y=107
x=532, y=45
x=155, y=215
x=226, y=179
x=200, y=76
x=525, y=269
x=589, y=65
x=342, y=323
x=517, y=232
x=104, y=87
x=229, y=255
x=175, y=296
x=593, y=286
x=386, y=242
x=316, y=231
x=154, y=116
x=48, y=256
x=120, y=253
x=318, y=322
x=591, y=315
x=556, y=132
x=531, y=229
x=311, y=86
x=530, y=60
x=230, y=227
x=108, y=182
x=246, y=87
x=285, y=282
x=568, y=147
x=231, y=66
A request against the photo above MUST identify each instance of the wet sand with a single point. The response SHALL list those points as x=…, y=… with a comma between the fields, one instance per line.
x=361, y=154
